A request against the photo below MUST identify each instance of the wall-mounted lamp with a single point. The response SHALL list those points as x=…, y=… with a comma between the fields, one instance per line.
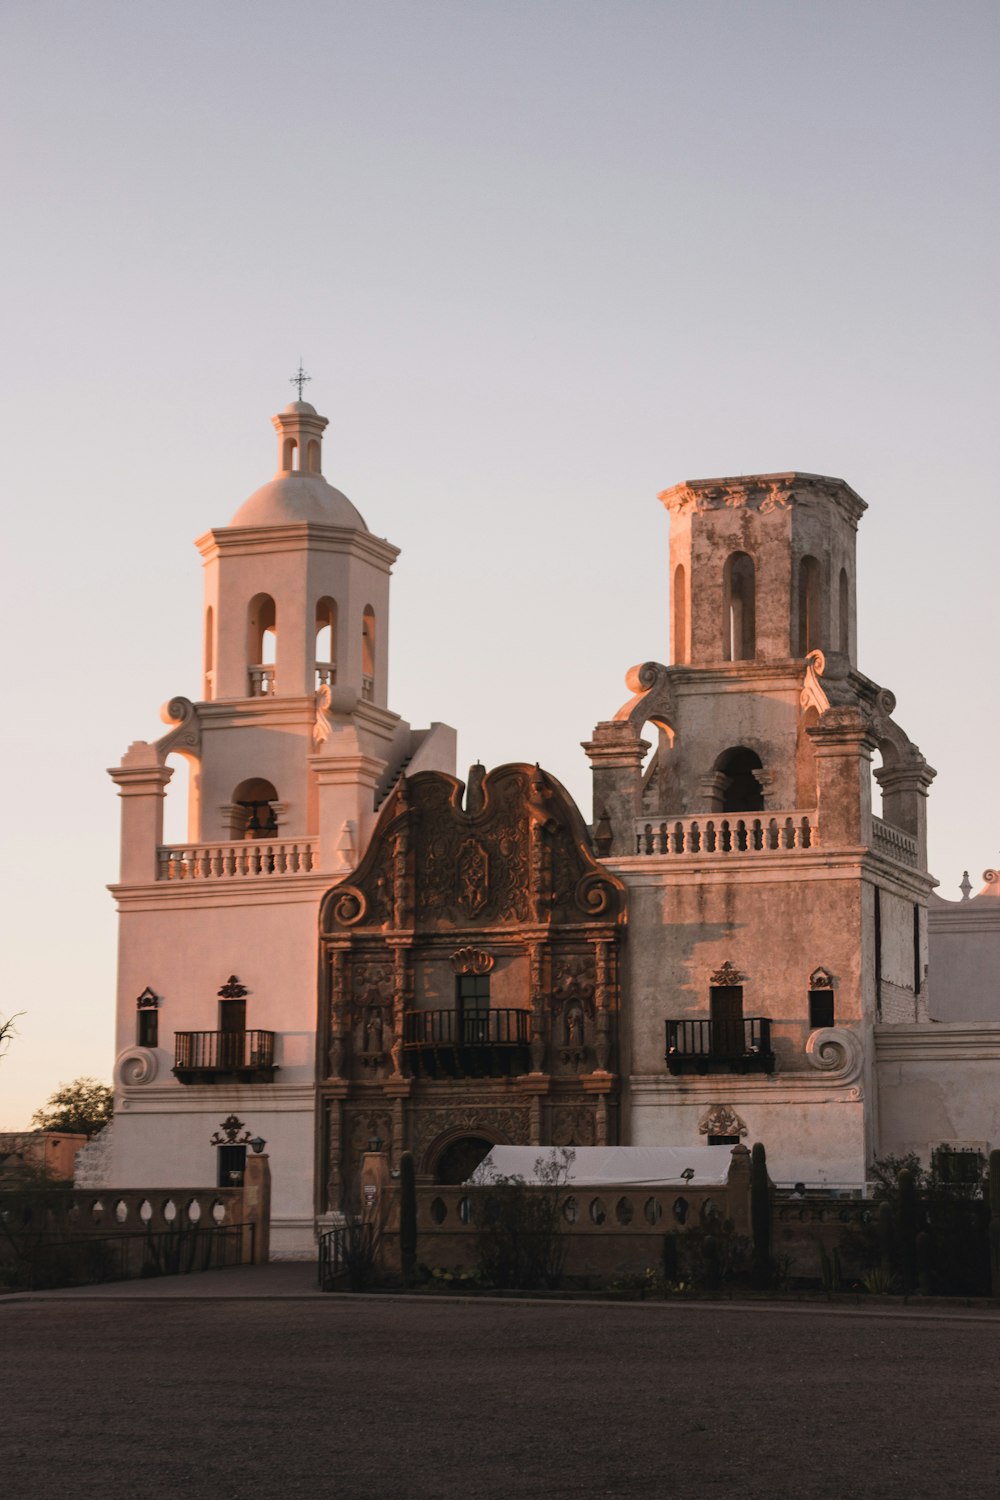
x=257, y=1145
x=375, y=1144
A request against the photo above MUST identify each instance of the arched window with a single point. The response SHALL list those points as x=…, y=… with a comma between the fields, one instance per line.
x=209, y=688
x=810, y=633
x=289, y=455
x=368, y=654
x=326, y=642
x=844, y=617
x=262, y=645
x=739, y=626
x=680, y=646
x=254, y=816
x=312, y=462
x=741, y=791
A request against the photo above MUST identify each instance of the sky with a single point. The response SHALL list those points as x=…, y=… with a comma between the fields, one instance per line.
x=542, y=259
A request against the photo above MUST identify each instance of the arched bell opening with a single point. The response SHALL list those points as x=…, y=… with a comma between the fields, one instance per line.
x=326, y=642
x=680, y=646
x=254, y=810
x=262, y=645
x=368, y=654
x=810, y=633
x=739, y=624
x=738, y=788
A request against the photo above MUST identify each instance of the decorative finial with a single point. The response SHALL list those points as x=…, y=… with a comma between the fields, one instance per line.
x=300, y=378
x=966, y=886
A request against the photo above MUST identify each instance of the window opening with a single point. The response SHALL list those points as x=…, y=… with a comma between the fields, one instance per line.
x=740, y=621
x=147, y=1019
x=726, y=1011
x=723, y=1140
x=232, y=1164
x=844, y=615
x=810, y=589
x=742, y=791
x=820, y=1009
x=472, y=1006
x=326, y=642
x=680, y=615
x=368, y=654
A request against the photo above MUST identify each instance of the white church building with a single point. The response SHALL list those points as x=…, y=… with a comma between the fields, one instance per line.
x=777, y=972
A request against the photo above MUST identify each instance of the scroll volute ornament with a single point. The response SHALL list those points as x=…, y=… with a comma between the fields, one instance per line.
x=472, y=961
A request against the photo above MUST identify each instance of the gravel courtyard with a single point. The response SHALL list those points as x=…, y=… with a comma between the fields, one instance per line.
x=223, y=1399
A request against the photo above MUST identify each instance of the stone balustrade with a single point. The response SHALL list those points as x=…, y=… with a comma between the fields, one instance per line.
x=251, y=859
x=261, y=681
x=893, y=843
x=711, y=834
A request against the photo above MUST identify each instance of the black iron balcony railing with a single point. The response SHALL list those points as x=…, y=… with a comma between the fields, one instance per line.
x=204, y=1056
x=467, y=1042
x=731, y=1046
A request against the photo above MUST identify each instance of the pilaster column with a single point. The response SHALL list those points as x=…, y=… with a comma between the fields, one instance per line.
x=615, y=754
x=843, y=742
x=346, y=787
x=142, y=782
x=904, y=800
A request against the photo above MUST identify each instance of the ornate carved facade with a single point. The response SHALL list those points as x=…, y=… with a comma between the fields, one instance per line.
x=469, y=989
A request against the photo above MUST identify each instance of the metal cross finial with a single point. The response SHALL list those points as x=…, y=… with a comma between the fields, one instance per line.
x=300, y=378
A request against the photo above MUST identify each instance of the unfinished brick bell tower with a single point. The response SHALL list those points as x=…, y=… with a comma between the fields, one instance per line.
x=781, y=918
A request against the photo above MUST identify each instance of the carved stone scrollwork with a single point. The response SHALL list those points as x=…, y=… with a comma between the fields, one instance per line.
x=821, y=979
x=135, y=1065
x=594, y=895
x=185, y=735
x=836, y=1052
x=722, y=1119
x=727, y=975
x=653, y=699
x=573, y=1125
x=350, y=906
x=813, y=694
x=470, y=960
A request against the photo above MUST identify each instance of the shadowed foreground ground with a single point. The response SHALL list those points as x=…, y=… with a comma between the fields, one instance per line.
x=370, y=1398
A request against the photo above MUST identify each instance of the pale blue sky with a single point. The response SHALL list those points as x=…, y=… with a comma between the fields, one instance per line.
x=542, y=260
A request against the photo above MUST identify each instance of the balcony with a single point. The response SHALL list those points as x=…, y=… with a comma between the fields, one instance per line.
x=731, y=1046
x=224, y=1056
x=466, y=1044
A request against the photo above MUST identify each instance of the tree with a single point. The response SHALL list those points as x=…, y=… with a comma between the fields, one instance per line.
x=7, y=1031
x=82, y=1107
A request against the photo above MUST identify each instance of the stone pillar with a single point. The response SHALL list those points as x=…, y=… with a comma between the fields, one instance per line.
x=257, y=1205
x=904, y=800
x=615, y=755
x=142, y=782
x=843, y=742
x=346, y=787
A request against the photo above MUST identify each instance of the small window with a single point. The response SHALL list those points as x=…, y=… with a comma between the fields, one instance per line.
x=723, y=1140
x=820, y=1009
x=959, y=1165
x=232, y=1163
x=147, y=1018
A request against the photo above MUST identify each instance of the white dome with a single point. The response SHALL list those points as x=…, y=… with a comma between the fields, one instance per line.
x=298, y=497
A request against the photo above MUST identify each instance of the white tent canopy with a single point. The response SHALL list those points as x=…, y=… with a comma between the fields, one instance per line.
x=610, y=1166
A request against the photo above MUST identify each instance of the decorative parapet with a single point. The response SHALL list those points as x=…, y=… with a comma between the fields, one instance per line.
x=764, y=493
x=249, y=859
x=712, y=835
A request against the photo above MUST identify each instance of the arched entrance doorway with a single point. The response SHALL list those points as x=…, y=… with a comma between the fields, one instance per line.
x=457, y=1161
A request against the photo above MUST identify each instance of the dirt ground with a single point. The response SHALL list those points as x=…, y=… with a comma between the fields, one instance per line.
x=369, y=1398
